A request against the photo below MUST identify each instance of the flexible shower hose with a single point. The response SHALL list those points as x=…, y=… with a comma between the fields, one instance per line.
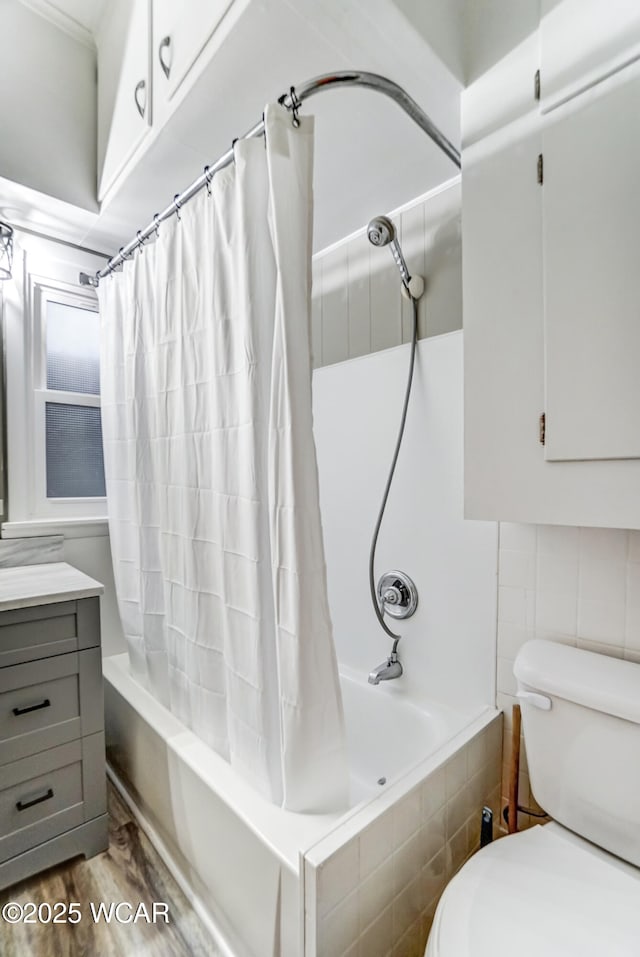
x=403, y=422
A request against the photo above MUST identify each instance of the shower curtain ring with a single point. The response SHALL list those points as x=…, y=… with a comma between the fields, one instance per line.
x=207, y=180
x=156, y=219
x=295, y=106
x=177, y=205
x=141, y=240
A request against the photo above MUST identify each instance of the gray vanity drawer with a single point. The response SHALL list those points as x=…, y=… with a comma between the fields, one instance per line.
x=27, y=634
x=49, y=793
x=49, y=702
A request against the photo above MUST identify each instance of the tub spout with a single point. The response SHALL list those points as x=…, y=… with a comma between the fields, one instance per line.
x=391, y=668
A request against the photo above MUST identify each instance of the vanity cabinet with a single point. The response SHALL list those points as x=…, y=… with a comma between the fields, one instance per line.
x=551, y=287
x=52, y=759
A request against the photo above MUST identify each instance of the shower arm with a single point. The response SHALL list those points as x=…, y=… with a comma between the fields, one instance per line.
x=292, y=101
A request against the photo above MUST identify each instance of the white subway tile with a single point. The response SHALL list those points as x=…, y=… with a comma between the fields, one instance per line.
x=557, y=611
x=359, y=303
x=376, y=843
x=455, y=773
x=338, y=876
x=335, y=322
x=517, y=568
x=457, y=810
x=407, y=816
x=601, y=621
x=516, y=606
x=559, y=540
x=407, y=906
x=603, y=580
x=557, y=574
x=432, y=835
x=433, y=793
x=339, y=928
x=510, y=639
x=407, y=863
x=374, y=893
x=377, y=939
x=605, y=544
x=506, y=677
x=520, y=537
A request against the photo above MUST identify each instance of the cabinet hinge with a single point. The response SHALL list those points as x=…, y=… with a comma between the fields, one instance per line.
x=542, y=428
x=536, y=85
x=540, y=169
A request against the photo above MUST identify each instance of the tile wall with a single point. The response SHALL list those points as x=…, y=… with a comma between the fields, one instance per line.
x=580, y=586
x=376, y=894
x=357, y=307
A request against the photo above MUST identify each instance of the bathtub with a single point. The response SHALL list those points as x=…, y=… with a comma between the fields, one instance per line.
x=271, y=883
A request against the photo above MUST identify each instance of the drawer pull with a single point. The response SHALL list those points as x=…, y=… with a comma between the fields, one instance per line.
x=34, y=707
x=23, y=805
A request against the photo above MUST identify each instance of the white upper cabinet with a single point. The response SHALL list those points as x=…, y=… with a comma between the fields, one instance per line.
x=591, y=250
x=180, y=33
x=551, y=291
x=582, y=41
x=124, y=87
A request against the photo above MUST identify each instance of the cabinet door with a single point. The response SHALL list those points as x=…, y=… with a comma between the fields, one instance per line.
x=124, y=87
x=591, y=247
x=180, y=32
x=582, y=41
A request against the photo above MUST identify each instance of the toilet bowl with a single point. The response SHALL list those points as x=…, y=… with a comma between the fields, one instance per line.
x=570, y=888
x=544, y=892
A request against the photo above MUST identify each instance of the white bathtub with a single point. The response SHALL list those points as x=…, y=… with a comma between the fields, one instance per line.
x=261, y=876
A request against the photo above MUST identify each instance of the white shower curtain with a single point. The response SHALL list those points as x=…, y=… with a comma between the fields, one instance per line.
x=212, y=483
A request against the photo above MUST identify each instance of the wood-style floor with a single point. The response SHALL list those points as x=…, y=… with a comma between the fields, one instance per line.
x=131, y=871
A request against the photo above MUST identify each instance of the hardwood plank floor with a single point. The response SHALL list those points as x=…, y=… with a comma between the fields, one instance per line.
x=130, y=871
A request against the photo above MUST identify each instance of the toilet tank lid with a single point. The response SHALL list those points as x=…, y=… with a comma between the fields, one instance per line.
x=592, y=680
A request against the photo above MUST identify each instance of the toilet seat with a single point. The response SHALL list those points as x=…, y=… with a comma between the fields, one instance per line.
x=544, y=892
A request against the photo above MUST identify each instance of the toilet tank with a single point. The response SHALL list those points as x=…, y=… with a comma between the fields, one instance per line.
x=581, y=723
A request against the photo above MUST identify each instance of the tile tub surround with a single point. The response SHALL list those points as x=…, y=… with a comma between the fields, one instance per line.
x=580, y=586
x=374, y=893
x=31, y=551
x=357, y=307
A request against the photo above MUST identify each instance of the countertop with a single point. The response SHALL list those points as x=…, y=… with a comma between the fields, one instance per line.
x=25, y=585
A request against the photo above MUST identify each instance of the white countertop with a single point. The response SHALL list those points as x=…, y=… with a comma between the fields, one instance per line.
x=25, y=585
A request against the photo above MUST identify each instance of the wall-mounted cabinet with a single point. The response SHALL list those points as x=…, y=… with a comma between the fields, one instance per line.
x=125, y=102
x=180, y=33
x=583, y=41
x=147, y=51
x=551, y=247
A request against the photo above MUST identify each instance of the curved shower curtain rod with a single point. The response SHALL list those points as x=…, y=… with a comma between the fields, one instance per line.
x=292, y=101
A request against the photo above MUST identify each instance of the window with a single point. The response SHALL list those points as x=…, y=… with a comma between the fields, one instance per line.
x=69, y=466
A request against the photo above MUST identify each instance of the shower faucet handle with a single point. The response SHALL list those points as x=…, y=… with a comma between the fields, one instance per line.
x=397, y=595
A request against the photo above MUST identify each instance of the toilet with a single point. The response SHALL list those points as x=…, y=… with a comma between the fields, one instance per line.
x=570, y=888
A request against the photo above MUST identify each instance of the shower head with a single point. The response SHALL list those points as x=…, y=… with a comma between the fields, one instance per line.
x=382, y=232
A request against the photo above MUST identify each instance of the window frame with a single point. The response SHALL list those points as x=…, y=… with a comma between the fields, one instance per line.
x=44, y=290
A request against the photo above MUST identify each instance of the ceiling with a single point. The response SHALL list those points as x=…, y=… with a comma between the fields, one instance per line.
x=78, y=17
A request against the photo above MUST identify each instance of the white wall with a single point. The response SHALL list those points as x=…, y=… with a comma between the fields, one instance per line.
x=87, y=547
x=93, y=556
x=448, y=647
x=48, y=106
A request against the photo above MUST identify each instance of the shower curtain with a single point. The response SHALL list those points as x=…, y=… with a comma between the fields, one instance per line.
x=212, y=483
